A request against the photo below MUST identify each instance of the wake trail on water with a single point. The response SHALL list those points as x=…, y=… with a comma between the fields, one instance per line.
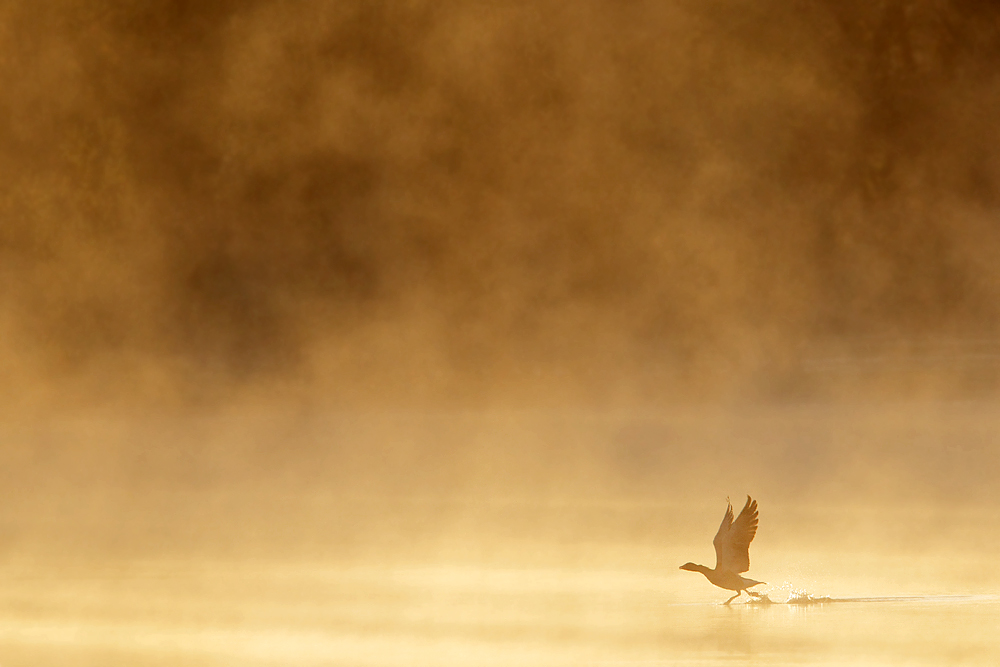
x=788, y=595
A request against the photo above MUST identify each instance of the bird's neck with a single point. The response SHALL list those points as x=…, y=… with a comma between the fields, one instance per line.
x=704, y=570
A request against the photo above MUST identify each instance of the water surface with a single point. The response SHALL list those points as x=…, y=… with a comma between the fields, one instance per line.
x=306, y=613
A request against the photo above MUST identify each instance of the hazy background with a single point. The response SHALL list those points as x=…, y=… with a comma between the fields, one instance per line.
x=374, y=273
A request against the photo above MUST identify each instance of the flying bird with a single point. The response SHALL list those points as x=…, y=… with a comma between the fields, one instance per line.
x=732, y=551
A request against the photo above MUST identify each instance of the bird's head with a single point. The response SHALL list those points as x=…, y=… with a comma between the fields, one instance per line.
x=691, y=567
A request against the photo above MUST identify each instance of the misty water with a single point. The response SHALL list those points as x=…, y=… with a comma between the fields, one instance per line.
x=501, y=539
x=501, y=596
x=271, y=613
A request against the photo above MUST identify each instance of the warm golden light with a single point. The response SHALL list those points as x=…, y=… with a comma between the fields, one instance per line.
x=437, y=333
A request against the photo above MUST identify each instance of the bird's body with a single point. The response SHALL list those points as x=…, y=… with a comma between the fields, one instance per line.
x=724, y=578
x=732, y=551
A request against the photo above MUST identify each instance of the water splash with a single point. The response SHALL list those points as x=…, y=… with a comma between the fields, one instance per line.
x=791, y=595
x=806, y=598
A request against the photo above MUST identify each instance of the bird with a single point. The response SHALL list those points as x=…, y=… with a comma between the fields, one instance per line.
x=732, y=551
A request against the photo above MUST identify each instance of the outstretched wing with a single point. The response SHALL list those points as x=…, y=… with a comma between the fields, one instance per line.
x=732, y=542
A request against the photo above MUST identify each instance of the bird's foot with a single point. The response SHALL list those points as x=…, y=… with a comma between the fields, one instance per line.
x=756, y=595
x=732, y=598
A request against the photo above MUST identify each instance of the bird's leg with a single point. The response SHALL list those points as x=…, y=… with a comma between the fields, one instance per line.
x=732, y=598
x=756, y=595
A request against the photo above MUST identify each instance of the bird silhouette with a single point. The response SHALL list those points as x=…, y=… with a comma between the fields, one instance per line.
x=732, y=551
